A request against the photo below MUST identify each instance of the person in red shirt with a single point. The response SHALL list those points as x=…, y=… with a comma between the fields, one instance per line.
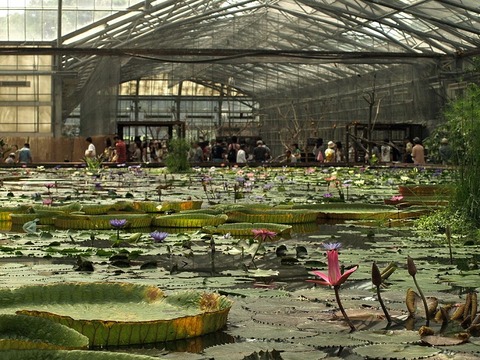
x=120, y=150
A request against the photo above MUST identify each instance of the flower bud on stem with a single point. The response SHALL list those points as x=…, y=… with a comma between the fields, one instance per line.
x=412, y=270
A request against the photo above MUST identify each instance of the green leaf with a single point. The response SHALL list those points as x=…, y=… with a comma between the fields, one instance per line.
x=26, y=332
x=395, y=351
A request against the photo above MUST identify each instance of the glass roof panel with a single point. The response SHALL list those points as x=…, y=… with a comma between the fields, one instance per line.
x=320, y=39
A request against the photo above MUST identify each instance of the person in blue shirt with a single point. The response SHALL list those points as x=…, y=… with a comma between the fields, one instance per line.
x=25, y=155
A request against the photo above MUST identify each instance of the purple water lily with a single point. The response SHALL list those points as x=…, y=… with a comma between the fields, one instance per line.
x=158, y=236
x=118, y=223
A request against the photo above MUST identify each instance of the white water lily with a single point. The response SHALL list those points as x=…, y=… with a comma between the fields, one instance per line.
x=30, y=226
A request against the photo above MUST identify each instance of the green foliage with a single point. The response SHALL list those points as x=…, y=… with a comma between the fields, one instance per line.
x=463, y=122
x=462, y=129
x=438, y=221
x=177, y=158
x=4, y=148
x=93, y=163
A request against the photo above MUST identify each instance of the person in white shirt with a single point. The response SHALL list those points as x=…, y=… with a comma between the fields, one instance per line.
x=10, y=159
x=241, y=155
x=386, y=151
x=91, y=151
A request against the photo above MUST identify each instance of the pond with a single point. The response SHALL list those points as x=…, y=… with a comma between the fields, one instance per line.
x=275, y=310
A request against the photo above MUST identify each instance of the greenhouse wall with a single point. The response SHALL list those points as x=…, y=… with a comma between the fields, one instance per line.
x=408, y=94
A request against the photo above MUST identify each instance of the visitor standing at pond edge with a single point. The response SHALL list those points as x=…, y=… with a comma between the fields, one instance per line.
x=109, y=151
x=418, y=152
x=91, y=152
x=260, y=152
x=445, y=152
x=25, y=155
x=241, y=155
x=407, y=156
x=120, y=150
x=330, y=152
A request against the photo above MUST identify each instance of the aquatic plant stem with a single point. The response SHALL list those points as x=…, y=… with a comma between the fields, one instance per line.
x=448, y=234
x=347, y=319
x=255, y=254
x=385, y=311
x=424, y=300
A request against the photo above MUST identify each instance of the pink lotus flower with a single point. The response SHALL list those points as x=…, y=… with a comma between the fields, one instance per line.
x=263, y=234
x=334, y=277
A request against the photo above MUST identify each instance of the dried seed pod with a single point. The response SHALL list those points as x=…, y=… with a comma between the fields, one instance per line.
x=411, y=301
x=462, y=336
x=432, y=303
x=458, y=313
x=425, y=331
x=442, y=313
x=468, y=304
x=474, y=307
x=466, y=322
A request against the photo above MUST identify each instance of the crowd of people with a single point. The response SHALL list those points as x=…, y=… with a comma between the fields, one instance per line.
x=118, y=151
x=233, y=151
x=411, y=151
x=385, y=152
x=19, y=156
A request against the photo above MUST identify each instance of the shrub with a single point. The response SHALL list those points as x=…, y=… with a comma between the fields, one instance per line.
x=462, y=129
x=177, y=158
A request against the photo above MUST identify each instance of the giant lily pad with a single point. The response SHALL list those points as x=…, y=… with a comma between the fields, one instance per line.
x=245, y=229
x=394, y=351
x=189, y=220
x=180, y=205
x=352, y=211
x=6, y=211
x=70, y=355
x=27, y=332
x=121, y=313
x=280, y=216
x=101, y=222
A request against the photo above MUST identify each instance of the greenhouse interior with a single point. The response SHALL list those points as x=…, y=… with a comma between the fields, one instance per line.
x=283, y=71
x=345, y=226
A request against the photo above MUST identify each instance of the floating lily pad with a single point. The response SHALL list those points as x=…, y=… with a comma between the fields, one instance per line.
x=395, y=351
x=121, y=313
x=242, y=350
x=26, y=332
x=245, y=229
x=277, y=216
x=70, y=355
x=351, y=211
x=189, y=220
x=98, y=222
x=387, y=336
